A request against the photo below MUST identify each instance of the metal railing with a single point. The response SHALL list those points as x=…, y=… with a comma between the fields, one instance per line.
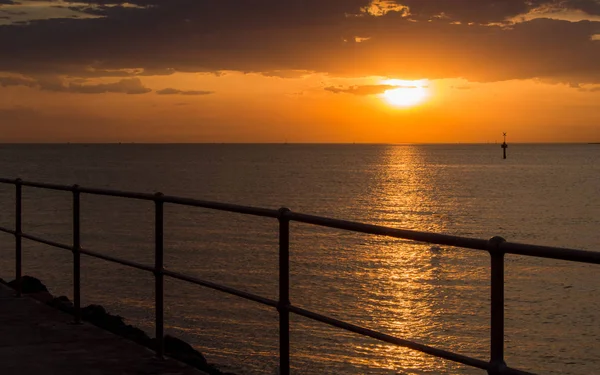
x=497, y=247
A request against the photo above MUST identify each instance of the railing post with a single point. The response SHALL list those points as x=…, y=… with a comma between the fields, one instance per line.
x=76, y=255
x=18, y=233
x=158, y=274
x=284, y=292
x=497, y=364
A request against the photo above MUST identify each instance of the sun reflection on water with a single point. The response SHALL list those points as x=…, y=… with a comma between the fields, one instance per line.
x=416, y=290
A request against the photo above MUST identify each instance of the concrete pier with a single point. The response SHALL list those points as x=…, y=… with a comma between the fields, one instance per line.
x=38, y=339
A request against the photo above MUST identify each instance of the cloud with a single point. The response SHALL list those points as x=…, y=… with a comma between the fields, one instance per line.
x=16, y=81
x=591, y=88
x=286, y=73
x=57, y=84
x=472, y=39
x=28, y=10
x=479, y=11
x=493, y=11
x=587, y=6
x=171, y=91
x=363, y=90
x=126, y=86
x=91, y=72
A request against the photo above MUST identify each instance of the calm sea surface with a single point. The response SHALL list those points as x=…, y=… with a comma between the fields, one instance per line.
x=542, y=194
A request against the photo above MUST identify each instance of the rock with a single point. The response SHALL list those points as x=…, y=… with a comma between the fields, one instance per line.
x=93, y=313
x=184, y=352
x=98, y=316
x=62, y=303
x=173, y=344
x=44, y=297
x=177, y=347
x=29, y=285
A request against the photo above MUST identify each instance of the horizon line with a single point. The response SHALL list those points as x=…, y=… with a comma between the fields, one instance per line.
x=287, y=143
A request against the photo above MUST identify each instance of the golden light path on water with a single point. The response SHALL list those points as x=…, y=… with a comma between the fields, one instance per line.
x=414, y=293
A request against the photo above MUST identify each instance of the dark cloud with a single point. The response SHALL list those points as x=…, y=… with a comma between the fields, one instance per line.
x=489, y=11
x=589, y=89
x=286, y=73
x=13, y=12
x=170, y=91
x=588, y=6
x=16, y=81
x=363, y=90
x=273, y=36
x=481, y=11
x=125, y=86
x=90, y=72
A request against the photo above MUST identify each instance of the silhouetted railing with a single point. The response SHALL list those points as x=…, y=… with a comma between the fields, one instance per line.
x=496, y=247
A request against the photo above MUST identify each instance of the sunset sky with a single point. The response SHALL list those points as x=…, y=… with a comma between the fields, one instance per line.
x=391, y=71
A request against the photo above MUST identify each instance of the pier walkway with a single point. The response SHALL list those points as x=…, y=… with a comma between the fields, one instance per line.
x=38, y=339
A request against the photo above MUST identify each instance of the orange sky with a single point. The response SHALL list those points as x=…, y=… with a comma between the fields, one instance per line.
x=212, y=94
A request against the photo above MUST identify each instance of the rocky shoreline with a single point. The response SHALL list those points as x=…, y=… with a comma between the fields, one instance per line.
x=98, y=316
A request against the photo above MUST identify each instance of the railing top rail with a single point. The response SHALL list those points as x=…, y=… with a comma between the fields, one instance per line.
x=256, y=211
x=448, y=240
x=426, y=237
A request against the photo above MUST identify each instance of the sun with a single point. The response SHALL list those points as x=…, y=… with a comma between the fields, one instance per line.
x=405, y=96
x=407, y=93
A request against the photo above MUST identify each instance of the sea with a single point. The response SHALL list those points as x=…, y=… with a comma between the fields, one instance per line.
x=544, y=194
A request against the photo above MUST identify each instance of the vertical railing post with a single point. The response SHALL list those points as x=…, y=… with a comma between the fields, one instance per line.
x=284, y=292
x=158, y=274
x=18, y=233
x=497, y=364
x=76, y=255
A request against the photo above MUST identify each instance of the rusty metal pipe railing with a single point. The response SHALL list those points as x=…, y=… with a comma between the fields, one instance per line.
x=123, y=262
x=76, y=255
x=283, y=305
x=496, y=246
x=222, y=288
x=497, y=364
x=18, y=234
x=159, y=274
x=255, y=211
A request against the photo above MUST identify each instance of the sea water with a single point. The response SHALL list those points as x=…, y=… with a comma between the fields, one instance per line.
x=435, y=295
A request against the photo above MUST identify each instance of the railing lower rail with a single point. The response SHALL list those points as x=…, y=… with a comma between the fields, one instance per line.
x=497, y=247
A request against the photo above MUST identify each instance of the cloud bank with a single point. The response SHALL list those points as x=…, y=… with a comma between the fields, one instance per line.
x=124, y=86
x=171, y=91
x=411, y=39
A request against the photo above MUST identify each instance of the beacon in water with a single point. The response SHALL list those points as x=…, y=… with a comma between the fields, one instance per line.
x=504, y=146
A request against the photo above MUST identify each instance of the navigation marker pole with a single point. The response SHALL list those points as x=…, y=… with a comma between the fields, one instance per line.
x=504, y=146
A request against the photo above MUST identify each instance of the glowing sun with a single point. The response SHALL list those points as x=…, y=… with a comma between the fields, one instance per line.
x=408, y=93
